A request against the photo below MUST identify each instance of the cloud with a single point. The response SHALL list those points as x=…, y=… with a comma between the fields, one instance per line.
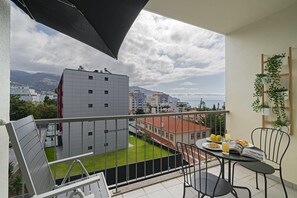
x=156, y=51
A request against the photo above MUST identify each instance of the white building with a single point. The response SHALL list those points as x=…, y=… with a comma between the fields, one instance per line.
x=25, y=93
x=85, y=94
x=159, y=98
x=137, y=100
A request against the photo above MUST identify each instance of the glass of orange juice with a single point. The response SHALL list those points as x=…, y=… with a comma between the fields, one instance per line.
x=227, y=136
x=225, y=147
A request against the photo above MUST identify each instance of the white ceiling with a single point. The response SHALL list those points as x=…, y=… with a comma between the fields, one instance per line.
x=222, y=16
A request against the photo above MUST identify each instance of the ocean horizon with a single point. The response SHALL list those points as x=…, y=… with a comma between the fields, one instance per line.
x=208, y=103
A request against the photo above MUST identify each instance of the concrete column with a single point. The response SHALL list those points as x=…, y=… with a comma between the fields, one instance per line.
x=4, y=92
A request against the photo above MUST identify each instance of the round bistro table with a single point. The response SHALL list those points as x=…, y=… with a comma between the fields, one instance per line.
x=231, y=157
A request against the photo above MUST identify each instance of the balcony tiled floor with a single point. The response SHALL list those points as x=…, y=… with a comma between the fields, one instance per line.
x=174, y=188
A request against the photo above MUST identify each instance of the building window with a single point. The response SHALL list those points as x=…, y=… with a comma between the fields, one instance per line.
x=90, y=91
x=106, y=78
x=198, y=135
x=106, y=105
x=90, y=148
x=90, y=77
x=167, y=135
x=106, y=92
x=203, y=134
x=171, y=137
x=192, y=136
x=90, y=105
x=90, y=133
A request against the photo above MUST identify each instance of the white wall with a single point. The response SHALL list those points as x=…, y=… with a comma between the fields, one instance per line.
x=271, y=35
x=4, y=90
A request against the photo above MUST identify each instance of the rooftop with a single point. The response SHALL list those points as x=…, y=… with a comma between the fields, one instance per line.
x=176, y=125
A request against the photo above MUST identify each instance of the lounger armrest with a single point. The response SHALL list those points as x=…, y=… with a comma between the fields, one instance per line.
x=70, y=158
x=70, y=187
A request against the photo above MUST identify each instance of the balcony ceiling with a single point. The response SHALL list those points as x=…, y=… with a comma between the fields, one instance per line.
x=222, y=16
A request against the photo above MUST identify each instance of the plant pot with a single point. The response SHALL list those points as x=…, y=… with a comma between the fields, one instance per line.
x=265, y=111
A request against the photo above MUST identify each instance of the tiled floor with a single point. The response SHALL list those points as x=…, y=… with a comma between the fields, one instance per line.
x=174, y=188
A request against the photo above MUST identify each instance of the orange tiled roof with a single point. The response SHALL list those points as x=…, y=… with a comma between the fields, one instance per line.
x=174, y=125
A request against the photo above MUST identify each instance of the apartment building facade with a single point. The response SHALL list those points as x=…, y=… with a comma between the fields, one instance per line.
x=137, y=100
x=85, y=94
x=159, y=98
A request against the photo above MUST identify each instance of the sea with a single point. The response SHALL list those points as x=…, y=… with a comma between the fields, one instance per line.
x=208, y=103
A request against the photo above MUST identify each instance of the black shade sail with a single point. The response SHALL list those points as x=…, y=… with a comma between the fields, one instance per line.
x=102, y=24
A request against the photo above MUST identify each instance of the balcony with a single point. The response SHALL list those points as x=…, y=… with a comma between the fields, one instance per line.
x=173, y=188
x=149, y=165
x=128, y=149
x=251, y=28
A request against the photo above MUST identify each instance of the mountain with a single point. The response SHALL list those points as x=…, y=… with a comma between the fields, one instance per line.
x=38, y=81
x=147, y=92
x=49, y=82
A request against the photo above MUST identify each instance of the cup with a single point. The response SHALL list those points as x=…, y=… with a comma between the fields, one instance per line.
x=227, y=136
x=225, y=147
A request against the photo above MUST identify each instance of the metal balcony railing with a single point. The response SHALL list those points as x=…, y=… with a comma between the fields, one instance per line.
x=126, y=148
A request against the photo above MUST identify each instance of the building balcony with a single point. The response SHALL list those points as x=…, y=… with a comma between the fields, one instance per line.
x=148, y=165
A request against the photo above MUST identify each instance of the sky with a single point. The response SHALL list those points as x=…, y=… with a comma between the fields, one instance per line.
x=158, y=53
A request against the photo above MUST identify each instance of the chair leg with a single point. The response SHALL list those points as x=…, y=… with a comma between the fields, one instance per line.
x=281, y=177
x=265, y=182
x=233, y=167
x=184, y=193
x=257, y=186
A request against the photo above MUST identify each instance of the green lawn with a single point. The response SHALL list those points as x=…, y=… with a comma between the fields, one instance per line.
x=140, y=151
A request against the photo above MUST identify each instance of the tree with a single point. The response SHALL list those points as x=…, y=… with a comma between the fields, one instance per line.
x=139, y=111
x=20, y=109
x=214, y=121
x=49, y=101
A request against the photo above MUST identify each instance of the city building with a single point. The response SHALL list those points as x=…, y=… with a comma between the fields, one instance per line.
x=85, y=94
x=137, y=100
x=25, y=93
x=159, y=98
x=168, y=130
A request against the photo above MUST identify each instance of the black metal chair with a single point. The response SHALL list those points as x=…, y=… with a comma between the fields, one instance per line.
x=274, y=143
x=196, y=172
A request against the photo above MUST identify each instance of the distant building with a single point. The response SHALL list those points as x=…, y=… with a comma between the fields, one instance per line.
x=169, y=130
x=25, y=93
x=84, y=94
x=137, y=100
x=158, y=98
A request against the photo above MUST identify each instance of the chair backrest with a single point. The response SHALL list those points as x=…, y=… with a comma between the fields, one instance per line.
x=30, y=155
x=195, y=165
x=272, y=141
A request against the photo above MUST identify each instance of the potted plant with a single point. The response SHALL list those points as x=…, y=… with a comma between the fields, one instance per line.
x=276, y=93
x=264, y=109
x=265, y=78
x=282, y=124
x=258, y=92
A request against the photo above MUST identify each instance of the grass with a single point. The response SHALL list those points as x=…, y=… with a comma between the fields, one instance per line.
x=140, y=151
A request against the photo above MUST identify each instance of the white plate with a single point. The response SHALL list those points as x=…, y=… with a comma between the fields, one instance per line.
x=209, y=140
x=205, y=145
